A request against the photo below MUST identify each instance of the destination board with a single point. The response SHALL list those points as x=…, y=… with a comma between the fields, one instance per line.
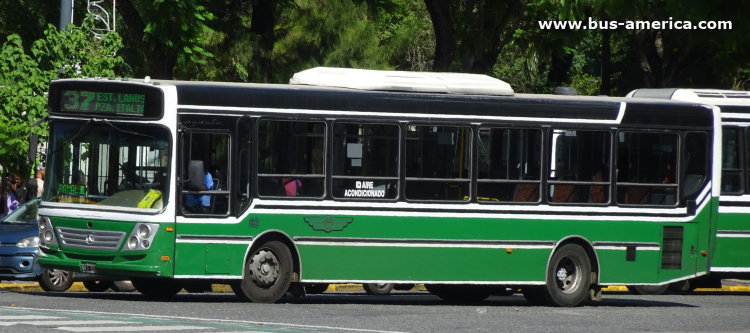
x=103, y=102
x=71, y=189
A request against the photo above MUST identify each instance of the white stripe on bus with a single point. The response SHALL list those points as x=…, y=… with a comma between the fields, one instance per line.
x=430, y=245
x=731, y=269
x=392, y=115
x=623, y=248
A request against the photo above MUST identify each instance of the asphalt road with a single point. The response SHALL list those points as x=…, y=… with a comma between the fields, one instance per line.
x=358, y=312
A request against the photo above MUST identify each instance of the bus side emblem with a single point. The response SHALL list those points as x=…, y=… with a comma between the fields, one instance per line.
x=328, y=223
x=90, y=239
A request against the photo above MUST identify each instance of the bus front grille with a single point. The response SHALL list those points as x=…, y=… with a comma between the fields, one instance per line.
x=91, y=239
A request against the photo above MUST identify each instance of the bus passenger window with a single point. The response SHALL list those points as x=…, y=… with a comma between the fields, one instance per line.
x=437, y=163
x=509, y=163
x=291, y=157
x=731, y=171
x=647, y=168
x=365, y=161
x=579, y=166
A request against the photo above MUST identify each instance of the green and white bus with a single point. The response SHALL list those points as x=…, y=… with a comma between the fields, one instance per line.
x=731, y=255
x=356, y=176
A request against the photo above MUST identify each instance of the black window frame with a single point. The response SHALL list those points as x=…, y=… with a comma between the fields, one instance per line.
x=257, y=175
x=330, y=172
x=741, y=156
x=251, y=163
x=678, y=186
x=230, y=162
x=683, y=168
x=542, y=167
x=547, y=167
x=470, y=172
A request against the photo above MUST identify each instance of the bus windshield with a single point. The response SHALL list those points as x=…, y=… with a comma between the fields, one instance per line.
x=109, y=164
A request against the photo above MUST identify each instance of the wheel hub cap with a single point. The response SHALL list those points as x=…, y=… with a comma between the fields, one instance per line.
x=264, y=268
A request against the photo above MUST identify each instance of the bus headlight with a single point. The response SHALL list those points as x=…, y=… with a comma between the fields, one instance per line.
x=144, y=231
x=48, y=236
x=46, y=231
x=42, y=225
x=133, y=242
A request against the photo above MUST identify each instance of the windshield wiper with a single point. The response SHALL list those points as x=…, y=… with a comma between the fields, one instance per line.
x=78, y=135
x=124, y=131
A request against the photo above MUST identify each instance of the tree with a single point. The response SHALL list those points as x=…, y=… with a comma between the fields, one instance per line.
x=166, y=31
x=25, y=78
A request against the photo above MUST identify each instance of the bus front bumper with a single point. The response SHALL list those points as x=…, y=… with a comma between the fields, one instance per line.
x=145, y=264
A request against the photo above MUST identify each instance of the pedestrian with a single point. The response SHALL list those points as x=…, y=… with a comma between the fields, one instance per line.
x=11, y=201
x=36, y=183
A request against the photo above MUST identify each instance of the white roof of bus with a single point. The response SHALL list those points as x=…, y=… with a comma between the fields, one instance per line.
x=364, y=79
x=713, y=96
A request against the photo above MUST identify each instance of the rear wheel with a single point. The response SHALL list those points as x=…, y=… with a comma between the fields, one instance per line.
x=268, y=272
x=378, y=288
x=648, y=290
x=157, y=288
x=98, y=286
x=568, y=275
x=55, y=280
x=316, y=288
x=682, y=286
x=459, y=293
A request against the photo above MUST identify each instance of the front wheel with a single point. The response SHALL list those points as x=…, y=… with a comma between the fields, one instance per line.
x=648, y=290
x=268, y=272
x=568, y=275
x=55, y=280
x=98, y=286
x=157, y=288
x=378, y=288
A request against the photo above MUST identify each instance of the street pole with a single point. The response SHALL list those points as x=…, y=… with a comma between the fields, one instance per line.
x=66, y=13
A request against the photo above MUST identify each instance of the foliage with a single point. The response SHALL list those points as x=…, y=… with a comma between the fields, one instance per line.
x=25, y=81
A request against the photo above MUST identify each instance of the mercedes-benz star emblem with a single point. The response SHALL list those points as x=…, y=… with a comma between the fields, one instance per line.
x=90, y=239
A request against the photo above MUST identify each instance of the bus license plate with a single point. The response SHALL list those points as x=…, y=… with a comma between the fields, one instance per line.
x=88, y=268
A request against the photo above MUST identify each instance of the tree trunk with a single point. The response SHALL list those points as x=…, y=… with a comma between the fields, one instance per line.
x=445, y=42
x=161, y=62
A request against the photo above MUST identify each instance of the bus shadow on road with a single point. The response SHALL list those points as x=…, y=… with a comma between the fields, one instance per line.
x=410, y=299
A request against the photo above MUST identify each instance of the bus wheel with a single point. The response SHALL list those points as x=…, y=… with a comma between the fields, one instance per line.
x=268, y=272
x=459, y=293
x=55, y=280
x=316, y=288
x=123, y=286
x=647, y=290
x=378, y=288
x=157, y=288
x=568, y=275
x=681, y=286
x=97, y=286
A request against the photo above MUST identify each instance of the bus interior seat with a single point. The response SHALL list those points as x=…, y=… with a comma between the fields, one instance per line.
x=564, y=193
x=526, y=193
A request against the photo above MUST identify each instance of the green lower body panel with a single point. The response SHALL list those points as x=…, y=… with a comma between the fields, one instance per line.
x=149, y=264
x=732, y=255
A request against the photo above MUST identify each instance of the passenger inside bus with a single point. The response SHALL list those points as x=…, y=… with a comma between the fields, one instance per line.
x=200, y=204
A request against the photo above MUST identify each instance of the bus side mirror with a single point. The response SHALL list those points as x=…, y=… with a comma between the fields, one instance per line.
x=33, y=143
x=195, y=171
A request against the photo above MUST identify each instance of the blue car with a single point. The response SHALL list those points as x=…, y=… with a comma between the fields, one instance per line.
x=19, y=241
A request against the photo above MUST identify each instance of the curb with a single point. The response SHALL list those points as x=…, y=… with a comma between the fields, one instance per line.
x=222, y=288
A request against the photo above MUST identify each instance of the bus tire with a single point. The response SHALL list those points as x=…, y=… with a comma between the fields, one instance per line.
x=157, y=288
x=378, y=288
x=681, y=286
x=568, y=276
x=55, y=280
x=268, y=272
x=98, y=286
x=459, y=293
x=123, y=286
x=647, y=290
x=316, y=288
